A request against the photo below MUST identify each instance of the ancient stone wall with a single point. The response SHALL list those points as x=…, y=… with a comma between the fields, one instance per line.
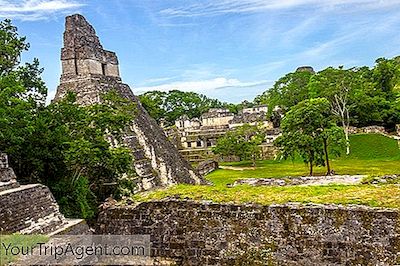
x=194, y=233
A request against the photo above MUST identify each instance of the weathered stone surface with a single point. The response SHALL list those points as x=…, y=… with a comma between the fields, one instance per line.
x=199, y=233
x=303, y=180
x=3, y=161
x=29, y=209
x=305, y=69
x=89, y=70
x=207, y=167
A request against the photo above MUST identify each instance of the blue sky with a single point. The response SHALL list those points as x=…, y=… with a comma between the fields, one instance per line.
x=227, y=49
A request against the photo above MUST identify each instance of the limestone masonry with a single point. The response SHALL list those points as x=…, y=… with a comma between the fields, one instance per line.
x=30, y=209
x=89, y=71
x=205, y=233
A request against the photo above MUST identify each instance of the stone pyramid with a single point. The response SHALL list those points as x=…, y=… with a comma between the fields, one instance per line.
x=89, y=70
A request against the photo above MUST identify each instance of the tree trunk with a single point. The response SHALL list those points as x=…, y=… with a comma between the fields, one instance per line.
x=311, y=166
x=327, y=157
x=346, y=133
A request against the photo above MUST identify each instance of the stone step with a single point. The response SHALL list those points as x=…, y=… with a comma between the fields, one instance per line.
x=29, y=209
x=72, y=227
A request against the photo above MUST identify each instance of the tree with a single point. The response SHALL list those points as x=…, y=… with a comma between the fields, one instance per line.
x=22, y=95
x=308, y=129
x=243, y=142
x=287, y=91
x=386, y=77
x=173, y=104
x=359, y=96
x=11, y=46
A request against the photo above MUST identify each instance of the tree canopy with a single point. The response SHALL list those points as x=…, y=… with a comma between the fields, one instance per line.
x=169, y=106
x=243, y=142
x=372, y=95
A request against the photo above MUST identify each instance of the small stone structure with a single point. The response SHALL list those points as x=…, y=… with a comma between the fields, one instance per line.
x=205, y=233
x=305, y=69
x=207, y=167
x=31, y=209
x=89, y=71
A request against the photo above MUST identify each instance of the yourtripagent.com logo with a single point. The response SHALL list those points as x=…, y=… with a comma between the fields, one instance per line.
x=74, y=250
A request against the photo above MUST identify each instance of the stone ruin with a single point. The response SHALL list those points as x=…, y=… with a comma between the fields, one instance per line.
x=89, y=71
x=305, y=69
x=18, y=214
x=195, y=137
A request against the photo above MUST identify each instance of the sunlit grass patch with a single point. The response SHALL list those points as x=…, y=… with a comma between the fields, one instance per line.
x=11, y=244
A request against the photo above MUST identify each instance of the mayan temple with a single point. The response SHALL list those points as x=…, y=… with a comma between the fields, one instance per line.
x=89, y=71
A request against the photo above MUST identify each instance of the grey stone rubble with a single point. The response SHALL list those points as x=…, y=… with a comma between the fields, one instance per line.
x=304, y=180
x=30, y=209
x=386, y=179
x=206, y=233
x=89, y=71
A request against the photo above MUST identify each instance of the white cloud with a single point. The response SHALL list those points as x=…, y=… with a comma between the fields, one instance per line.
x=36, y=9
x=212, y=8
x=203, y=86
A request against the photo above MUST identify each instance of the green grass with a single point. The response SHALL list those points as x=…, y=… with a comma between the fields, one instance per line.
x=370, y=195
x=19, y=241
x=271, y=169
x=371, y=154
x=373, y=147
